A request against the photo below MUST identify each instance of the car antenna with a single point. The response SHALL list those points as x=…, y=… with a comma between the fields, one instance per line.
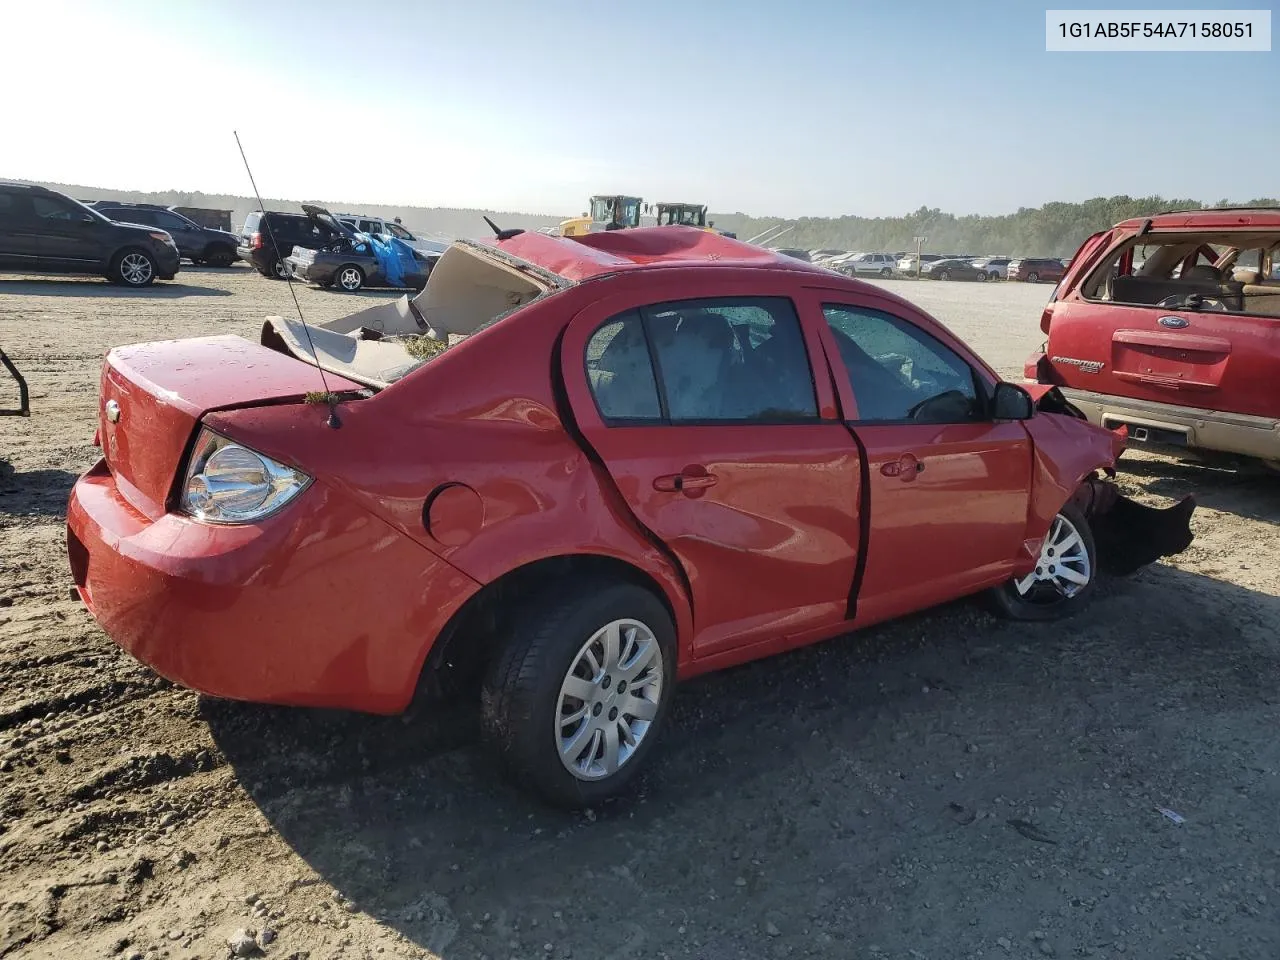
x=330, y=399
x=503, y=234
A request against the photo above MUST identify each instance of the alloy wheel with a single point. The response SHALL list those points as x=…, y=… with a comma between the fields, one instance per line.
x=1062, y=569
x=135, y=269
x=608, y=699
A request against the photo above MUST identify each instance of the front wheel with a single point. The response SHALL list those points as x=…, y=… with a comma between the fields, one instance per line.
x=219, y=257
x=1033, y=278
x=576, y=697
x=1064, y=575
x=133, y=268
x=945, y=275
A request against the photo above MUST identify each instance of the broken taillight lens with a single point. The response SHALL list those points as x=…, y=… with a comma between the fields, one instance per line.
x=1046, y=318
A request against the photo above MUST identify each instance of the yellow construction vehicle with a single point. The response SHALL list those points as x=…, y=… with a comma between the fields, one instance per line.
x=688, y=215
x=607, y=213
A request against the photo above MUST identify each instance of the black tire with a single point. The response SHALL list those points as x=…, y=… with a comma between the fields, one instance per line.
x=945, y=275
x=1033, y=278
x=886, y=272
x=521, y=694
x=982, y=277
x=277, y=270
x=348, y=278
x=217, y=256
x=1043, y=605
x=132, y=267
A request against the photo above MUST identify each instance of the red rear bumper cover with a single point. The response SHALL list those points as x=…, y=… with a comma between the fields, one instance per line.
x=322, y=604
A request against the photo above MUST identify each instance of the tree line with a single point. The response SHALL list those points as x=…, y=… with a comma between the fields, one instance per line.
x=1053, y=230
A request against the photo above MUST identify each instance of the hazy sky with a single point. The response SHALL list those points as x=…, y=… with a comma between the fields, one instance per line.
x=780, y=108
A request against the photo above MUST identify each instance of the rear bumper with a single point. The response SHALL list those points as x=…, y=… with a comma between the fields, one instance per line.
x=321, y=605
x=1168, y=424
x=313, y=272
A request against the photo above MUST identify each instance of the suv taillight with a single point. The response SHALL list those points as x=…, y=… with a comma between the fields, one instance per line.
x=255, y=242
x=1046, y=318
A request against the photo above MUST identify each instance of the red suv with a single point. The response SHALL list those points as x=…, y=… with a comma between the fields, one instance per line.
x=1036, y=270
x=1170, y=326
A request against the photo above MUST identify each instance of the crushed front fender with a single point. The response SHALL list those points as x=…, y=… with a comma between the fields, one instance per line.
x=1130, y=535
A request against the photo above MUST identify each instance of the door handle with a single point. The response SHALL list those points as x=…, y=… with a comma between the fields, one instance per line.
x=691, y=481
x=904, y=468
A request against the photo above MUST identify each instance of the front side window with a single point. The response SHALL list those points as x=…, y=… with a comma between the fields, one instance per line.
x=368, y=226
x=899, y=373
x=400, y=232
x=51, y=208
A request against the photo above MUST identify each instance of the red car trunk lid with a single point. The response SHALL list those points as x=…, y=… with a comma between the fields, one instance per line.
x=154, y=394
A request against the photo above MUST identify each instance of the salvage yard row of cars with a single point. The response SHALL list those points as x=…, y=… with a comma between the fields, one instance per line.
x=934, y=266
x=135, y=244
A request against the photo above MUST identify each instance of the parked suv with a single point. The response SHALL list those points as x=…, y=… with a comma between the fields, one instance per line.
x=42, y=231
x=1167, y=326
x=392, y=228
x=864, y=264
x=200, y=245
x=265, y=243
x=1035, y=270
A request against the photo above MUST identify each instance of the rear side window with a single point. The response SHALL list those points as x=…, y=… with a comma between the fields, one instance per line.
x=897, y=372
x=620, y=371
x=7, y=205
x=52, y=208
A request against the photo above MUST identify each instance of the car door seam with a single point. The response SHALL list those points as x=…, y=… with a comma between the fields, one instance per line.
x=569, y=422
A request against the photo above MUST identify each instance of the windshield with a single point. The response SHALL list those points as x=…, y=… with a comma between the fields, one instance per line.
x=625, y=210
x=398, y=231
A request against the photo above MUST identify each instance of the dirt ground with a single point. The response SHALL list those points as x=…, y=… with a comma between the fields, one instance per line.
x=947, y=786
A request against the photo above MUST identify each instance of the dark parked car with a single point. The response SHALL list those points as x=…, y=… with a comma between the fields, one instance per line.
x=350, y=262
x=266, y=239
x=952, y=270
x=1036, y=270
x=198, y=244
x=42, y=231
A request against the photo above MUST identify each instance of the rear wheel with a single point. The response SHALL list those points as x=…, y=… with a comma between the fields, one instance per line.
x=133, y=268
x=580, y=689
x=885, y=272
x=945, y=275
x=1033, y=278
x=219, y=257
x=349, y=278
x=1064, y=575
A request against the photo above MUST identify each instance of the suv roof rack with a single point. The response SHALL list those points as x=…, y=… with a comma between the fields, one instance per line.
x=1230, y=209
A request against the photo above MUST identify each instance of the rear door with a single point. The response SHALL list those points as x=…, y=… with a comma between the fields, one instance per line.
x=17, y=231
x=725, y=447
x=947, y=487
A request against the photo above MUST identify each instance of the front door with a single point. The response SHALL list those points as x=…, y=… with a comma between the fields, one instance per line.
x=68, y=237
x=948, y=487
x=706, y=415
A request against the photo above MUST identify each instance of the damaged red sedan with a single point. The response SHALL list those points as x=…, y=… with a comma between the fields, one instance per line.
x=570, y=473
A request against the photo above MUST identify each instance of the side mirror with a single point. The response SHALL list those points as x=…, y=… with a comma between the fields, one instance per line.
x=1011, y=402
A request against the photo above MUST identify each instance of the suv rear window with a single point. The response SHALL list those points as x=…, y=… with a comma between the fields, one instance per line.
x=251, y=222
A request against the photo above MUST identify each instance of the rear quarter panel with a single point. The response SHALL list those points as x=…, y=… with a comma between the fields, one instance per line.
x=477, y=433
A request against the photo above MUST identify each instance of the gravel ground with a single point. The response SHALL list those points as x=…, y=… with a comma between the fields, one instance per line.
x=946, y=786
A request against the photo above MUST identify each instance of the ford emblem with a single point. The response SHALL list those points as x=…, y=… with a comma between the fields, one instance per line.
x=113, y=411
x=1176, y=322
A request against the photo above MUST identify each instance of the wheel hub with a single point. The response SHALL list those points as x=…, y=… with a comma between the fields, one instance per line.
x=609, y=699
x=1062, y=569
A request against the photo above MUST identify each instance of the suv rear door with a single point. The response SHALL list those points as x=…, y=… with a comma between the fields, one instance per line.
x=1224, y=361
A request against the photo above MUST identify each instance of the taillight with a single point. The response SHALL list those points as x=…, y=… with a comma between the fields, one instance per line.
x=1046, y=318
x=255, y=242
